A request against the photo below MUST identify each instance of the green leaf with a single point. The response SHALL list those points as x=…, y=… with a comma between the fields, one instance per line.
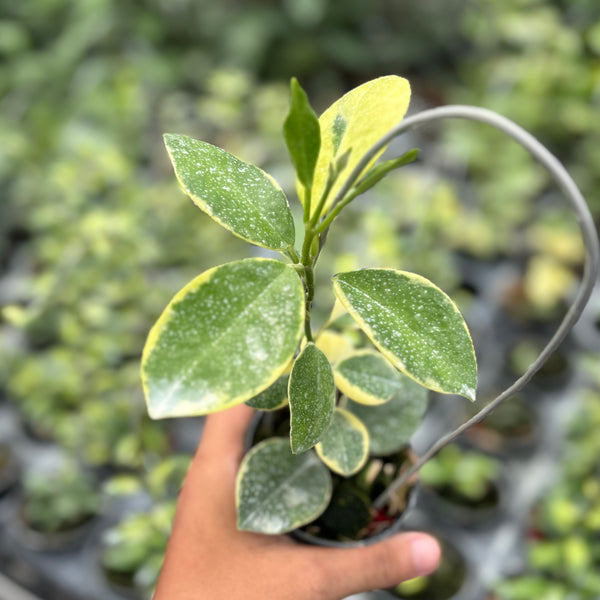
x=345, y=446
x=391, y=425
x=367, y=377
x=224, y=338
x=378, y=172
x=273, y=398
x=312, y=398
x=415, y=326
x=356, y=121
x=277, y=491
x=236, y=194
x=302, y=135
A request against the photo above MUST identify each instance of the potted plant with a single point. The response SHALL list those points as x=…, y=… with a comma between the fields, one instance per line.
x=9, y=470
x=57, y=508
x=463, y=486
x=132, y=551
x=244, y=331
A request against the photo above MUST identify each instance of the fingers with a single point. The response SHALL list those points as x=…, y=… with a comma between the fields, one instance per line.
x=381, y=565
x=224, y=432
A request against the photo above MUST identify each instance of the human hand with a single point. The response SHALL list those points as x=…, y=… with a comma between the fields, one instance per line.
x=208, y=558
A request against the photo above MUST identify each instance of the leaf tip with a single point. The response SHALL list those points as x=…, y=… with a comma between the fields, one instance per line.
x=469, y=392
x=168, y=137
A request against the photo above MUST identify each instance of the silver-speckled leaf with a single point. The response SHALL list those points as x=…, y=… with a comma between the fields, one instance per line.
x=345, y=446
x=391, y=425
x=414, y=325
x=274, y=397
x=236, y=194
x=311, y=394
x=224, y=338
x=367, y=377
x=277, y=491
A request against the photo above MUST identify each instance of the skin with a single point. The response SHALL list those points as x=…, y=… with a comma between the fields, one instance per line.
x=208, y=558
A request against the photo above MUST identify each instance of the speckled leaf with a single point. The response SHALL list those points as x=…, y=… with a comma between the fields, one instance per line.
x=335, y=346
x=225, y=337
x=302, y=134
x=355, y=122
x=367, y=377
x=345, y=446
x=391, y=425
x=236, y=194
x=273, y=398
x=312, y=398
x=277, y=491
x=415, y=326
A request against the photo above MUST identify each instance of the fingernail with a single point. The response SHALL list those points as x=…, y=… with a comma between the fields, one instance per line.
x=425, y=554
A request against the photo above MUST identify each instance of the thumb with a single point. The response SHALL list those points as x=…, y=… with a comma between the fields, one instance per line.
x=381, y=565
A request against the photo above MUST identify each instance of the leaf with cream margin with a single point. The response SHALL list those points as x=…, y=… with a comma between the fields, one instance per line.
x=354, y=123
x=367, y=377
x=345, y=446
x=277, y=491
x=414, y=325
x=225, y=337
x=391, y=425
x=236, y=194
x=273, y=398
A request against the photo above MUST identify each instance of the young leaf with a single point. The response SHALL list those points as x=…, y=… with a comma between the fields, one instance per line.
x=378, y=172
x=367, y=377
x=277, y=491
x=302, y=135
x=225, y=337
x=336, y=346
x=312, y=398
x=357, y=120
x=236, y=194
x=345, y=446
x=273, y=398
x=391, y=425
x=415, y=326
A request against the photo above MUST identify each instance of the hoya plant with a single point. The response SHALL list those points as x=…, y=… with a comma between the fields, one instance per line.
x=244, y=332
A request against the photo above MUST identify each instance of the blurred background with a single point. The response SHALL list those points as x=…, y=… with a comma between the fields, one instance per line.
x=96, y=237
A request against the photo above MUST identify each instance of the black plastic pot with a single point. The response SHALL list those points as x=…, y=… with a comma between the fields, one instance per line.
x=400, y=523
x=267, y=424
x=9, y=470
x=69, y=539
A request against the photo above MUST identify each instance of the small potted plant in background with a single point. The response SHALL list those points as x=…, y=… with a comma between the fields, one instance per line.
x=132, y=550
x=463, y=486
x=244, y=331
x=57, y=508
x=9, y=470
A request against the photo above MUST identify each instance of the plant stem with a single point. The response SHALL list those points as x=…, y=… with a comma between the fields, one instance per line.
x=292, y=255
x=308, y=278
x=307, y=201
x=586, y=225
x=336, y=210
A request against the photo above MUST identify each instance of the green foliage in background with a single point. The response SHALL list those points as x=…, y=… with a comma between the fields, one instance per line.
x=94, y=238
